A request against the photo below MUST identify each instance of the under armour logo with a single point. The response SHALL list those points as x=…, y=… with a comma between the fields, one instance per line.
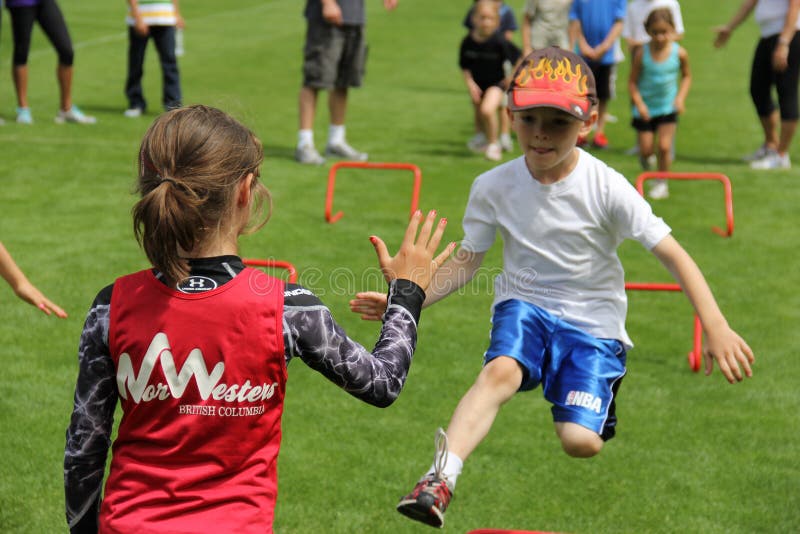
x=197, y=284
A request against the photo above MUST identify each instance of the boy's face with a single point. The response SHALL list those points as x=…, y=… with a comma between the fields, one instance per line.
x=485, y=20
x=548, y=137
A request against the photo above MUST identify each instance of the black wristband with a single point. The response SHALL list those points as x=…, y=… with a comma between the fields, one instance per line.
x=407, y=294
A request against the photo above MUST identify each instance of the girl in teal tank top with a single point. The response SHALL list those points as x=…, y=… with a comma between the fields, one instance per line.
x=659, y=82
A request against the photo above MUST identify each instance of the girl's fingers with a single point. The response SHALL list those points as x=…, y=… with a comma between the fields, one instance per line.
x=380, y=249
x=436, y=238
x=425, y=232
x=442, y=257
x=411, y=229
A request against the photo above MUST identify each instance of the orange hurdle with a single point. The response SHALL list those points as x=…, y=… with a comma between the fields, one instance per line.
x=329, y=217
x=696, y=355
x=274, y=264
x=726, y=184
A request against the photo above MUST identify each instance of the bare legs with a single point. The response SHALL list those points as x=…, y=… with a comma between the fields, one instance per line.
x=63, y=75
x=498, y=381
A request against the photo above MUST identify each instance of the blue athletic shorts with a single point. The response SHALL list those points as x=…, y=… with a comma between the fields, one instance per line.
x=580, y=374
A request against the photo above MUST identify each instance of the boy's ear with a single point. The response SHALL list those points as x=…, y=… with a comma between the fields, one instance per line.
x=589, y=123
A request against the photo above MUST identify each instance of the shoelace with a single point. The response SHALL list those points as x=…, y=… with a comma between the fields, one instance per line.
x=440, y=457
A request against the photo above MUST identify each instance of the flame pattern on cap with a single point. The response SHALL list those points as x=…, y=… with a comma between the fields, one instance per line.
x=563, y=77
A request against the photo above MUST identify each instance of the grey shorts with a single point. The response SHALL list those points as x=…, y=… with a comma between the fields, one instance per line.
x=334, y=56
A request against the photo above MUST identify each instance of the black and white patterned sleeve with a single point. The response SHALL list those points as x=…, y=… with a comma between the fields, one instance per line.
x=376, y=376
x=89, y=432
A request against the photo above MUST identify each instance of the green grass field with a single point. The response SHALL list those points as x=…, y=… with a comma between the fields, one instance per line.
x=692, y=454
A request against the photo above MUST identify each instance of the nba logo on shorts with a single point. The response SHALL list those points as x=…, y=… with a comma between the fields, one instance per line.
x=584, y=400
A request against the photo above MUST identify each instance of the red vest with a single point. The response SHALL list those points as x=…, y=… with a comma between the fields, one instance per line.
x=201, y=380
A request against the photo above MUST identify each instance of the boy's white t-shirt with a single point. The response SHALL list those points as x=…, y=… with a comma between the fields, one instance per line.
x=636, y=15
x=560, y=240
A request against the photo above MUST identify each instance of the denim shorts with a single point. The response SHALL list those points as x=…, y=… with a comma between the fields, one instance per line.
x=580, y=374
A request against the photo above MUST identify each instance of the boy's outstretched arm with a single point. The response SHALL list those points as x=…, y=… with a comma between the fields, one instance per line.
x=12, y=274
x=453, y=274
x=722, y=344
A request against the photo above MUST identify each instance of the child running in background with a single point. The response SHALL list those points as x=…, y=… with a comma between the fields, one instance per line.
x=196, y=348
x=657, y=94
x=508, y=25
x=483, y=55
x=12, y=274
x=559, y=305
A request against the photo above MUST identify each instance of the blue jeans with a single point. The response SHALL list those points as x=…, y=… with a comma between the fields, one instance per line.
x=164, y=39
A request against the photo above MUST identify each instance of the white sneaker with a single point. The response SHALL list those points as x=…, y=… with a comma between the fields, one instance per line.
x=659, y=190
x=133, y=113
x=24, y=116
x=648, y=162
x=772, y=160
x=343, y=150
x=308, y=155
x=494, y=152
x=477, y=143
x=760, y=153
x=74, y=114
x=506, y=143
x=632, y=151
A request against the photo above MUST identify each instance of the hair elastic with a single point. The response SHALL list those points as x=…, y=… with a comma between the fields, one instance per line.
x=162, y=180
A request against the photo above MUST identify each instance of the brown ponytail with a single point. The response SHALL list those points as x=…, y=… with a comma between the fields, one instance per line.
x=190, y=163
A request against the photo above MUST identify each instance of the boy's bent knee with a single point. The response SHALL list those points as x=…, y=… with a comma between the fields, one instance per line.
x=502, y=372
x=578, y=441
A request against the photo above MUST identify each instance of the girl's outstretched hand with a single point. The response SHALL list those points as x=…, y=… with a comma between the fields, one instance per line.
x=416, y=260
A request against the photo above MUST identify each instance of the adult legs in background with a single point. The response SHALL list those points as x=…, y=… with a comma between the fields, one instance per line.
x=137, y=45
x=164, y=39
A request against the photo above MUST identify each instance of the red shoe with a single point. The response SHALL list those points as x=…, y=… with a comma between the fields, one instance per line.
x=600, y=140
x=427, y=502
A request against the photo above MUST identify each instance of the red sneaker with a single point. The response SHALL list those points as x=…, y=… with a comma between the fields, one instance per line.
x=427, y=502
x=600, y=140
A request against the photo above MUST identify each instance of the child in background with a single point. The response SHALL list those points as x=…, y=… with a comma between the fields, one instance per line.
x=635, y=35
x=12, y=274
x=545, y=23
x=508, y=25
x=199, y=455
x=658, y=97
x=596, y=26
x=483, y=55
x=560, y=304
x=159, y=19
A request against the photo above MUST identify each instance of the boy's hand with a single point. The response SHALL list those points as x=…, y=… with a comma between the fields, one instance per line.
x=139, y=26
x=415, y=260
x=371, y=305
x=475, y=92
x=731, y=353
x=332, y=13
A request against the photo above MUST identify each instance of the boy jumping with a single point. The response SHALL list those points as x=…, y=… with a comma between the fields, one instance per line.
x=560, y=304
